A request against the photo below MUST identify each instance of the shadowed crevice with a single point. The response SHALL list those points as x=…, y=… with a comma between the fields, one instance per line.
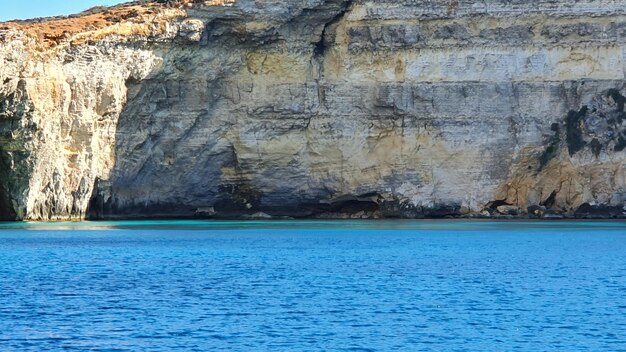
x=7, y=213
x=321, y=46
x=6, y=210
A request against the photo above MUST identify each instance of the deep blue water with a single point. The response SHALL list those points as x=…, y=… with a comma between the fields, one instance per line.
x=313, y=286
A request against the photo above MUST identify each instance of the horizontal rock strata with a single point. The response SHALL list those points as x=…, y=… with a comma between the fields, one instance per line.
x=316, y=108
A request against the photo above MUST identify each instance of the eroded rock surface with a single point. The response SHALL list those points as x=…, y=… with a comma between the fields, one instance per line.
x=317, y=108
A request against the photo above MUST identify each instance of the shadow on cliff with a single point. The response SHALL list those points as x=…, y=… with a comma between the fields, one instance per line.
x=174, y=155
x=170, y=145
x=6, y=210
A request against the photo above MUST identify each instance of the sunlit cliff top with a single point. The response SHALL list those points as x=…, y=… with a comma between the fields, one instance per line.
x=132, y=18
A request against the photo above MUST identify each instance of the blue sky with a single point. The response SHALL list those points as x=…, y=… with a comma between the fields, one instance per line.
x=23, y=9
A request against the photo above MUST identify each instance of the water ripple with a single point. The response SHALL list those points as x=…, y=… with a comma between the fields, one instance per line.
x=313, y=286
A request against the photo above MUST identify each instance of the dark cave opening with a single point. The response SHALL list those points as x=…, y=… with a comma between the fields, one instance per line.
x=354, y=206
x=497, y=203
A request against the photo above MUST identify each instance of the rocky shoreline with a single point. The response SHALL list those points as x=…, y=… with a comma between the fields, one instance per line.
x=355, y=211
x=505, y=212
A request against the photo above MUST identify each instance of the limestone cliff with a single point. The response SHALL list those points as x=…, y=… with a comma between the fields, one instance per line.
x=316, y=108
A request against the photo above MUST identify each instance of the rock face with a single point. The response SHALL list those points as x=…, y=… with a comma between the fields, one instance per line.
x=316, y=108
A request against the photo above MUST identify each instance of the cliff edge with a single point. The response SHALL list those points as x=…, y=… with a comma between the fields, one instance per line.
x=316, y=108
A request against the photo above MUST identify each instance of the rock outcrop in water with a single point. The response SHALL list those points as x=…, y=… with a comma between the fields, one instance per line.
x=316, y=108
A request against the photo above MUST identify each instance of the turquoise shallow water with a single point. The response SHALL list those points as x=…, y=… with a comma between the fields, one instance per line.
x=313, y=286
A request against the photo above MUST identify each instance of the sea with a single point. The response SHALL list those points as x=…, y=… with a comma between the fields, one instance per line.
x=384, y=285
